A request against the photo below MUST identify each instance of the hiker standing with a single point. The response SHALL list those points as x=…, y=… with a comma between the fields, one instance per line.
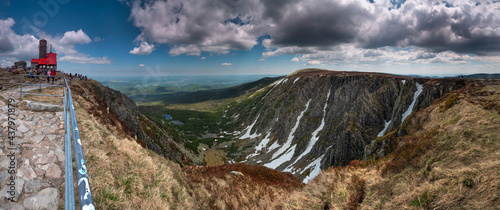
x=48, y=72
x=53, y=73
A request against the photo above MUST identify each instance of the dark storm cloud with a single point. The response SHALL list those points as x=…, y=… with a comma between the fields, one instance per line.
x=195, y=26
x=319, y=24
x=276, y=9
x=464, y=28
x=5, y=45
x=314, y=26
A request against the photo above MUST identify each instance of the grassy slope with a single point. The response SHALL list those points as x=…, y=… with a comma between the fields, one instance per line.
x=453, y=164
x=123, y=175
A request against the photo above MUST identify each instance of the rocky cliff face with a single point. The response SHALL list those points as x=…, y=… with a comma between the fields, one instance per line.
x=314, y=119
x=116, y=108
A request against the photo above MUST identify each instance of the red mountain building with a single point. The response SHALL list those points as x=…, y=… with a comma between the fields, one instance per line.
x=45, y=60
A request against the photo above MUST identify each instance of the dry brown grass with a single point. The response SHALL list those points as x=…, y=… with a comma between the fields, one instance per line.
x=357, y=192
x=215, y=187
x=214, y=157
x=46, y=99
x=123, y=175
x=449, y=159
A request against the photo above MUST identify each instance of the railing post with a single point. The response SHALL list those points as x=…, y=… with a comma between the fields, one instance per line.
x=21, y=91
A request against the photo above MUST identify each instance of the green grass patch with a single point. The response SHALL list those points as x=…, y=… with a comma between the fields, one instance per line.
x=450, y=101
x=424, y=201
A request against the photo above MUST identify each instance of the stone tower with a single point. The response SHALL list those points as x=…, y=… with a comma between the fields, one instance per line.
x=42, y=49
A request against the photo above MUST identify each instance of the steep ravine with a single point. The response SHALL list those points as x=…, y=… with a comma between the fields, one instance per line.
x=116, y=108
x=314, y=119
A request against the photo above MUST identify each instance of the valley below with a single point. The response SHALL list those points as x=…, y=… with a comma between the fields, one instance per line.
x=314, y=139
x=337, y=140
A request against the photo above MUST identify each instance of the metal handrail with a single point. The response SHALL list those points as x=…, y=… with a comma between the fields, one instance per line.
x=86, y=201
x=21, y=93
x=71, y=127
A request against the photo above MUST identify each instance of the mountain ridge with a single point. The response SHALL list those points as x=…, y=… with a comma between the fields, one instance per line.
x=357, y=111
x=128, y=181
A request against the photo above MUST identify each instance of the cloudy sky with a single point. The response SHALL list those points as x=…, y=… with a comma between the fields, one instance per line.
x=188, y=37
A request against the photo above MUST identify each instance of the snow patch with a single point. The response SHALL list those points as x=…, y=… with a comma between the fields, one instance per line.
x=420, y=88
x=249, y=130
x=404, y=81
x=261, y=145
x=273, y=146
x=315, y=136
x=315, y=171
x=280, y=81
x=283, y=158
x=387, y=123
x=274, y=86
x=296, y=80
x=288, y=142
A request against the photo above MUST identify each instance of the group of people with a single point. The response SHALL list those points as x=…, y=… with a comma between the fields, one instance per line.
x=79, y=76
x=49, y=72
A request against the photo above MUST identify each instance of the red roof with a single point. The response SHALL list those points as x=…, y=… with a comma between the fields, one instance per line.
x=34, y=60
x=50, y=60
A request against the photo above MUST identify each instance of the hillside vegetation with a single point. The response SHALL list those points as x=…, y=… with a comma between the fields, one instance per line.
x=447, y=160
x=125, y=175
x=203, y=95
x=445, y=156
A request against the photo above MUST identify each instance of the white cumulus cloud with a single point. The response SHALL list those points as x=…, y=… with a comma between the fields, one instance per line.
x=227, y=64
x=14, y=47
x=143, y=49
x=75, y=37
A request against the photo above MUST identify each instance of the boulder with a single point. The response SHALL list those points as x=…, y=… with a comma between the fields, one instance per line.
x=46, y=199
x=42, y=107
x=17, y=189
x=237, y=173
x=35, y=185
x=53, y=171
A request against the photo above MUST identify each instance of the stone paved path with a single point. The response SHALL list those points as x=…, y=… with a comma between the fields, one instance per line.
x=39, y=157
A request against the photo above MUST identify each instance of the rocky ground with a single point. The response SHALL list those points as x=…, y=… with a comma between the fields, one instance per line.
x=37, y=156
